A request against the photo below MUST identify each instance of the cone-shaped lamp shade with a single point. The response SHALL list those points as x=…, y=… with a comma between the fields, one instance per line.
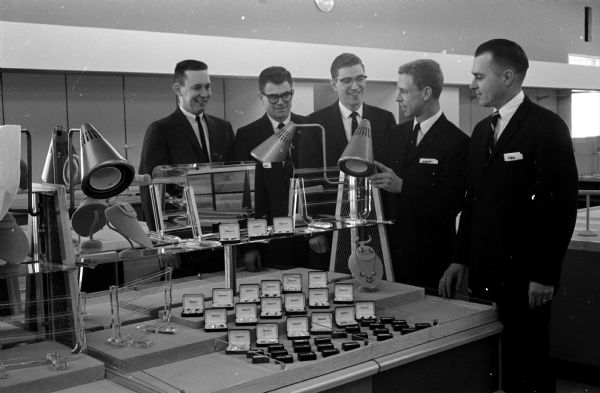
x=276, y=147
x=105, y=173
x=57, y=154
x=14, y=245
x=357, y=158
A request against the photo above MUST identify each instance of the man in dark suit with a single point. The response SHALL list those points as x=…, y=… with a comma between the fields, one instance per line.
x=275, y=91
x=188, y=135
x=425, y=180
x=340, y=119
x=519, y=213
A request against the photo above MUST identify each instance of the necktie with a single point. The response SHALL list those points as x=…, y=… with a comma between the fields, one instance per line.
x=202, y=139
x=414, y=136
x=354, y=124
x=493, y=124
x=279, y=127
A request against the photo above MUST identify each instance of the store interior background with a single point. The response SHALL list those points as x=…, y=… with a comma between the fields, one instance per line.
x=110, y=62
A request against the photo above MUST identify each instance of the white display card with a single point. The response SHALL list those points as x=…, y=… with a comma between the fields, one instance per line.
x=365, y=310
x=238, y=339
x=257, y=227
x=283, y=225
x=192, y=303
x=215, y=318
x=222, y=297
x=270, y=307
x=343, y=292
x=317, y=279
x=292, y=282
x=245, y=312
x=345, y=316
x=321, y=322
x=318, y=297
x=295, y=302
x=229, y=231
x=297, y=326
x=249, y=293
x=267, y=333
x=270, y=288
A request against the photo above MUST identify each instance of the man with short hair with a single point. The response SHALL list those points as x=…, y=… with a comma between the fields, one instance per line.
x=340, y=119
x=425, y=180
x=519, y=213
x=188, y=135
x=276, y=92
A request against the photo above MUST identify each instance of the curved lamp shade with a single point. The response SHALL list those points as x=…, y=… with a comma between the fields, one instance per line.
x=14, y=245
x=89, y=217
x=105, y=173
x=276, y=147
x=357, y=158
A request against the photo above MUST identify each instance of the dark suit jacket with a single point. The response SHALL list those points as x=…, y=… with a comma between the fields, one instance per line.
x=310, y=147
x=520, y=209
x=251, y=135
x=171, y=140
x=432, y=193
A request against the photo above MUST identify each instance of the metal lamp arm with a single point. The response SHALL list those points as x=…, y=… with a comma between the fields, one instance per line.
x=71, y=175
x=323, y=141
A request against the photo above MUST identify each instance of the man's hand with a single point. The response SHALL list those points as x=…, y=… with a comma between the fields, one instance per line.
x=386, y=180
x=319, y=244
x=252, y=260
x=539, y=294
x=452, y=280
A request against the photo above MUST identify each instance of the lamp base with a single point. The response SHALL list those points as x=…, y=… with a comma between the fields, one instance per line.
x=587, y=233
x=90, y=245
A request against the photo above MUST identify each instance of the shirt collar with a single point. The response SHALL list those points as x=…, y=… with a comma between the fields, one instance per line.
x=427, y=123
x=346, y=112
x=275, y=123
x=190, y=115
x=508, y=110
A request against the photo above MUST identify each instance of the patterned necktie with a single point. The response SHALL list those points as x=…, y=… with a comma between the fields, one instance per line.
x=354, y=124
x=202, y=139
x=493, y=124
x=279, y=127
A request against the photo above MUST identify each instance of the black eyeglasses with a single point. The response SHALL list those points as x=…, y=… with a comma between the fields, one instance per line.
x=348, y=81
x=274, y=98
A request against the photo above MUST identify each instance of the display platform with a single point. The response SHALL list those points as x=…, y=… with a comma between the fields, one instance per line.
x=195, y=361
x=30, y=371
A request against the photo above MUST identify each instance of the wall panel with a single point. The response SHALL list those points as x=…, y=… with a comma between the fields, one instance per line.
x=35, y=101
x=147, y=98
x=98, y=99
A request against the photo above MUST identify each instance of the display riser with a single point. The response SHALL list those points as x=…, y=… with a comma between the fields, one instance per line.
x=44, y=378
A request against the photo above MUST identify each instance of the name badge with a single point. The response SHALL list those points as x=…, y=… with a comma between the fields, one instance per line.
x=430, y=161
x=513, y=156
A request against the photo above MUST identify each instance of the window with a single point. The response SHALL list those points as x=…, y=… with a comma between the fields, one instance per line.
x=585, y=105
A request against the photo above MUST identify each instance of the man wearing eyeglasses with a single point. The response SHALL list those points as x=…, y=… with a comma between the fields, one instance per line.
x=276, y=92
x=340, y=119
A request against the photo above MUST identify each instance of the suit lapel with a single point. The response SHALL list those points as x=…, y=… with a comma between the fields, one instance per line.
x=337, y=128
x=188, y=132
x=513, y=126
x=427, y=140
